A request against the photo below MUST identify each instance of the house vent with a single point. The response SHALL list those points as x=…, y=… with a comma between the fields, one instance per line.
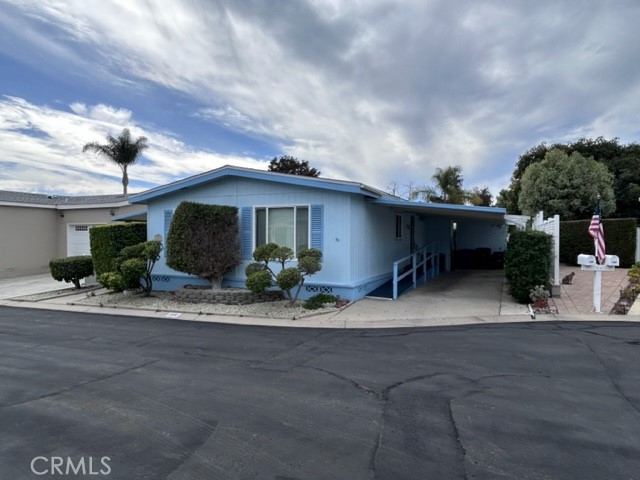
x=318, y=289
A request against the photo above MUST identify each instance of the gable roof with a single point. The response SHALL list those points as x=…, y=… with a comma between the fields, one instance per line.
x=371, y=194
x=231, y=171
x=62, y=202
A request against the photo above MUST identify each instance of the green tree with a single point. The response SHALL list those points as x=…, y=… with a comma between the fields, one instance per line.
x=567, y=185
x=480, y=198
x=449, y=182
x=623, y=161
x=203, y=240
x=293, y=166
x=448, y=188
x=123, y=151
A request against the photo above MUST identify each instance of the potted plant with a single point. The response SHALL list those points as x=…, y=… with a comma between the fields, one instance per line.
x=539, y=297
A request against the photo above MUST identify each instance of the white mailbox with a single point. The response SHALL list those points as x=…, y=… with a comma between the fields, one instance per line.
x=612, y=260
x=586, y=260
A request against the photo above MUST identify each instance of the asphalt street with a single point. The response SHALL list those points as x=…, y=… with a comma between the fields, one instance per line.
x=136, y=398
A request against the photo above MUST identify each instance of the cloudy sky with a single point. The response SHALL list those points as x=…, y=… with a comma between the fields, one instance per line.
x=368, y=90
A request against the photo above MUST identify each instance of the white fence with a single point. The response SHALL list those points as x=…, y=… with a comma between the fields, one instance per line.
x=552, y=227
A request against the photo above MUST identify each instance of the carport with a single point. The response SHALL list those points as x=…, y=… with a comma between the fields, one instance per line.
x=465, y=238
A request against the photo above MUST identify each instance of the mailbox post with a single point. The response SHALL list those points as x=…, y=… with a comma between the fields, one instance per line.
x=588, y=262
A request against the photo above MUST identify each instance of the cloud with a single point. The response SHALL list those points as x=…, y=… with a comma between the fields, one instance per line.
x=102, y=112
x=368, y=90
x=52, y=160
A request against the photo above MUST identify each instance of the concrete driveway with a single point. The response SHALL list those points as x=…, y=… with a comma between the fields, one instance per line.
x=160, y=399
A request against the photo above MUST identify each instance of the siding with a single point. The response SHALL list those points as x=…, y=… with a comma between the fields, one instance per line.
x=241, y=192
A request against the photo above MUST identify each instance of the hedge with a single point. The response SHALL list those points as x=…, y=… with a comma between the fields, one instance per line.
x=71, y=269
x=527, y=262
x=106, y=241
x=203, y=240
x=619, y=234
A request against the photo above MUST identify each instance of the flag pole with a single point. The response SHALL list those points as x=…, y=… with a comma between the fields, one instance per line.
x=597, y=275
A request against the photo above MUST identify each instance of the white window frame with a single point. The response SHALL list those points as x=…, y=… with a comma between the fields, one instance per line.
x=295, y=218
x=395, y=226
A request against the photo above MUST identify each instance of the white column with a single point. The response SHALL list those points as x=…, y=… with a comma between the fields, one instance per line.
x=597, y=290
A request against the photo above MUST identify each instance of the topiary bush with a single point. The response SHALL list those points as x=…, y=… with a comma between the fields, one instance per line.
x=319, y=300
x=106, y=241
x=620, y=239
x=260, y=276
x=71, y=269
x=203, y=240
x=527, y=262
x=134, y=265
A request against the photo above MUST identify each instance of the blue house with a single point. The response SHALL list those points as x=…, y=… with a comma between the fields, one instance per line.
x=360, y=230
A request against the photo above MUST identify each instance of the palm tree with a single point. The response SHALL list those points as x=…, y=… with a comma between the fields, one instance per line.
x=449, y=181
x=122, y=151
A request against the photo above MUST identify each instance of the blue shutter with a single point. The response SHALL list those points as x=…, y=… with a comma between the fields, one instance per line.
x=246, y=233
x=317, y=226
x=167, y=221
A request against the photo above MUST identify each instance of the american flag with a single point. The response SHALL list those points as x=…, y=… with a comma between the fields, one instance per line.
x=597, y=232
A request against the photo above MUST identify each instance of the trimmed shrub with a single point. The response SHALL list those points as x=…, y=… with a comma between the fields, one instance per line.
x=107, y=240
x=260, y=276
x=319, y=300
x=134, y=265
x=258, y=280
x=112, y=280
x=619, y=234
x=527, y=262
x=71, y=269
x=203, y=240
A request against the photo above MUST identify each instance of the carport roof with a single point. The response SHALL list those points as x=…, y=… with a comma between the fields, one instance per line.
x=442, y=209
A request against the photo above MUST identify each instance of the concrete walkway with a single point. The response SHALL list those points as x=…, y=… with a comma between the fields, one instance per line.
x=457, y=298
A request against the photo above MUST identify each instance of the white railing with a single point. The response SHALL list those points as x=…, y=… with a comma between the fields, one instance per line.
x=418, y=260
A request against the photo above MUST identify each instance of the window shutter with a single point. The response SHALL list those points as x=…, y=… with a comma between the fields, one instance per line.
x=317, y=226
x=167, y=221
x=246, y=230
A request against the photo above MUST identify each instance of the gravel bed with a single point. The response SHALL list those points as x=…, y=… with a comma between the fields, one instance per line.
x=165, y=301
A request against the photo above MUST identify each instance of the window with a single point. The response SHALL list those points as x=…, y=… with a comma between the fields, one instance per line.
x=399, y=226
x=81, y=228
x=286, y=226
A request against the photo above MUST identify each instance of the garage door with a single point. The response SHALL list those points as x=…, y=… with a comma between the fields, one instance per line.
x=78, y=240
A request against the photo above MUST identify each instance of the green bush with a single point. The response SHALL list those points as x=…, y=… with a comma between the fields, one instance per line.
x=260, y=275
x=258, y=281
x=133, y=268
x=288, y=278
x=71, y=269
x=319, y=300
x=527, y=262
x=619, y=234
x=106, y=241
x=203, y=240
x=112, y=280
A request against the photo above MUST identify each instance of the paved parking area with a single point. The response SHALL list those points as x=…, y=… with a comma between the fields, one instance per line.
x=163, y=399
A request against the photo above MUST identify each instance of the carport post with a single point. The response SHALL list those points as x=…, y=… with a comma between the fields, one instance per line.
x=395, y=281
x=414, y=257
